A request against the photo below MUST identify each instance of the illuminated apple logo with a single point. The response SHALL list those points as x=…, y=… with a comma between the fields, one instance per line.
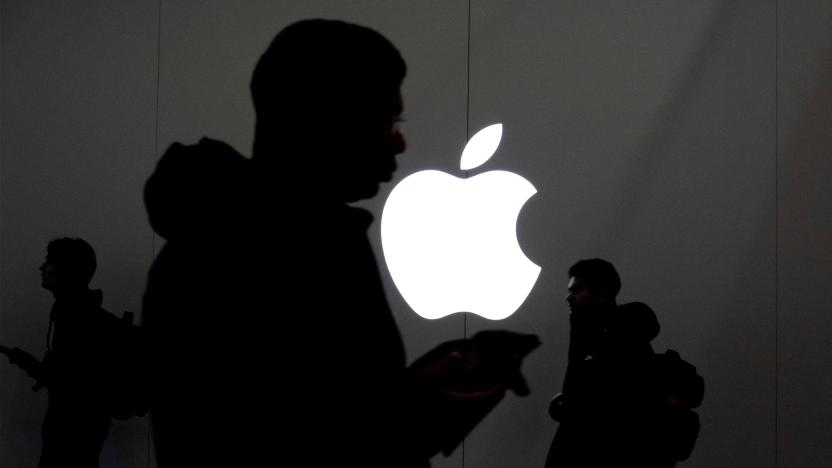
x=451, y=244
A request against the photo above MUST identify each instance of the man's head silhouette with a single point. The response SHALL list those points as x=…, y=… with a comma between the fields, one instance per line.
x=326, y=95
x=70, y=264
x=592, y=283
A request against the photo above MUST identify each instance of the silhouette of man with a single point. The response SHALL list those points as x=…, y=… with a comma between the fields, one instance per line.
x=609, y=408
x=76, y=364
x=273, y=341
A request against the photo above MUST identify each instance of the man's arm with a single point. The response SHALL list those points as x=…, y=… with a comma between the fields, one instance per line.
x=461, y=381
x=25, y=361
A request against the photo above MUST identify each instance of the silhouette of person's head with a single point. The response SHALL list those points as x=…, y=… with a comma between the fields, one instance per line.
x=69, y=266
x=593, y=283
x=326, y=95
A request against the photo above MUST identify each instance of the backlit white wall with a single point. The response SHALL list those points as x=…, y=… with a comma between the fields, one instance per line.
x=685, y=141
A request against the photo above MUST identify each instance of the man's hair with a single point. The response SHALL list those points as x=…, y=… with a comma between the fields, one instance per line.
x=74, y=256
x=315, y=68
x=598, y=274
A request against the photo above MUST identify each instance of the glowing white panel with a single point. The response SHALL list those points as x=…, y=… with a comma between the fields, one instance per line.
x=451, y=244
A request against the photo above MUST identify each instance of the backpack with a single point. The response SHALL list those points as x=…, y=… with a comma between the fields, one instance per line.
x=679, y=389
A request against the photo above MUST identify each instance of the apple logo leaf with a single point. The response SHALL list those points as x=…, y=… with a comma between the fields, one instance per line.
x=481, y=147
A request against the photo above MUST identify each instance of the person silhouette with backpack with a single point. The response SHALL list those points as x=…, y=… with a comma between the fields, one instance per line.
x=622, y=404
x=90, y=362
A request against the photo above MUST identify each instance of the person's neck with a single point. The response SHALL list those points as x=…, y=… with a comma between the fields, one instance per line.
x=606, y=313
x=68, y=294
x=595, y=319
x=289, y=173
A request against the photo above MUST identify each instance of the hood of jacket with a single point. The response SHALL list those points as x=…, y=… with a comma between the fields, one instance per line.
x=194, y=187
x=636, y=321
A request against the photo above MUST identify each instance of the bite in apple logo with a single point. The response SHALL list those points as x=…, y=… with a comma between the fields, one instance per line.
x=451, y=244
